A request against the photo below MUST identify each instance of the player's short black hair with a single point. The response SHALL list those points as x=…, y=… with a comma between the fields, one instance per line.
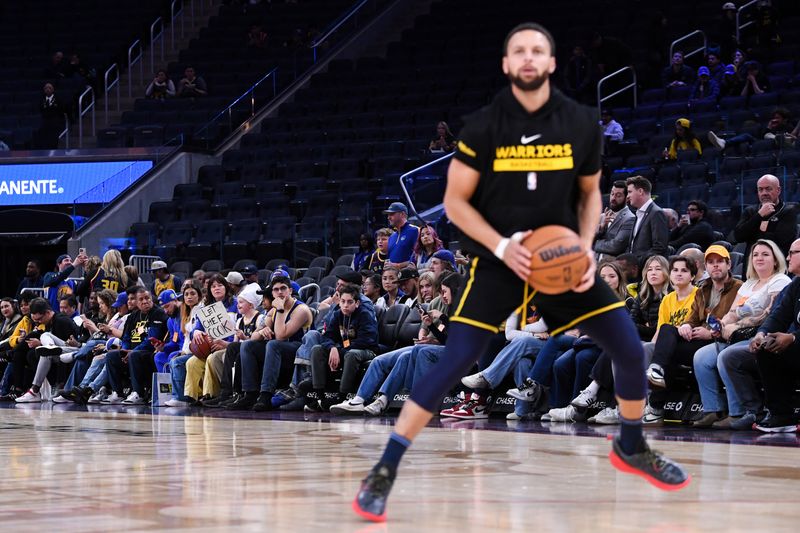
x=530, y=26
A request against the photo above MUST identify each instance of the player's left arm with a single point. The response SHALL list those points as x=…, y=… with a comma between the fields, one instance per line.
x=590, y=205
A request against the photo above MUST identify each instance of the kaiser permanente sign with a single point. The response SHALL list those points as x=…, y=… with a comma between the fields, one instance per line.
x=67, y=183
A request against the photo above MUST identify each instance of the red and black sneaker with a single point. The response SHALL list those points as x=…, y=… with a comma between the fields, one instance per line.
x=370, y=502
x=659, y=470
x=478, y=408
x=464, y=398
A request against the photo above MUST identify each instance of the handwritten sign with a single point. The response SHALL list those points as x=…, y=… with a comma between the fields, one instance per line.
x=216, y=321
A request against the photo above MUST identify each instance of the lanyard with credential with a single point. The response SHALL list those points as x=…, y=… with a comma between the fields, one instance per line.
x=344, y=331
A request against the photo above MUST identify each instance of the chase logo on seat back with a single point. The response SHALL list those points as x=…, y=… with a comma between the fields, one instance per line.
x=533, y=158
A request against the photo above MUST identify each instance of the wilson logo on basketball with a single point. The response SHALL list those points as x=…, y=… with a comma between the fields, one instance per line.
x=559, y=251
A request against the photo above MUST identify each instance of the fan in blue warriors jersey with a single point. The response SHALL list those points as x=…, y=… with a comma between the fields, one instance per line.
x=529, y=159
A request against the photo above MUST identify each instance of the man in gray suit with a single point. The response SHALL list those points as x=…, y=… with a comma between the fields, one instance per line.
x=650, y=231
x=616, y=224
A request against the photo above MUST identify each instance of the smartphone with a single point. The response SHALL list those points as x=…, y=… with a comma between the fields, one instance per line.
x=81, y=251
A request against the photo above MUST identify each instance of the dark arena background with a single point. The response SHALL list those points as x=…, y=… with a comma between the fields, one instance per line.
x=215, y=148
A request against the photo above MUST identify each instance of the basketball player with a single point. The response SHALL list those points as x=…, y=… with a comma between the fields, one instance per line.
x=530, y=158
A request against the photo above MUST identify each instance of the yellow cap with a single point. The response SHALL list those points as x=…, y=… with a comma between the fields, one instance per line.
x=719, y=250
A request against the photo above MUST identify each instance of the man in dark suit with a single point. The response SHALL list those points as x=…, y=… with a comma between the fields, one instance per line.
x=616, y=224
x=650, y=231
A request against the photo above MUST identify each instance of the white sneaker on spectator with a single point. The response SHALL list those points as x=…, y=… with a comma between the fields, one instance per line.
x=172, y=402
x=716, y=141
x=112, y=399
x=61, y=399
x=475, y=381
x=655, y=375
x=29, y=397
x=99, y=396
x=584, y=399
x=546, y=418
x=133, y=399
x=609, y=415
x=347, y=407
x=377, y=407
x=653, y=416
x=514, y=416
x=562, y=414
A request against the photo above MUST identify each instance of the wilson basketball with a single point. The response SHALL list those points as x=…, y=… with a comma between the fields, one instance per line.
x=200, y=347
x=559, y=260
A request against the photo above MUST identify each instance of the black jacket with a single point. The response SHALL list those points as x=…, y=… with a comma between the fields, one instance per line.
x=781, y=229
x=784, y=315
x=700, y=233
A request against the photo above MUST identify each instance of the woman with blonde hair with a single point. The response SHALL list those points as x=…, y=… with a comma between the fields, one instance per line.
x=427, y=287
x=654, y=286
x=111, y=274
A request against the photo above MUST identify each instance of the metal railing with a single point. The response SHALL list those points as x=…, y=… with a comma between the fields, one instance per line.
x=135, y=45
x=207, y=133
x=107, y=88
x=426, y=185
x=175, y=11
x=335, y=25
x=158, y=23
x=83, y=110
x=143, y=262
x=739, y=26
x=686, y=37
x=65, y=132
x=631, y=86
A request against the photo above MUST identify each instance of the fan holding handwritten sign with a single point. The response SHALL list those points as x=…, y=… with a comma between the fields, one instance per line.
x=216, y=321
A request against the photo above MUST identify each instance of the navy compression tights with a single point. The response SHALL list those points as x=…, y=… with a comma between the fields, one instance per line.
x=613, y=331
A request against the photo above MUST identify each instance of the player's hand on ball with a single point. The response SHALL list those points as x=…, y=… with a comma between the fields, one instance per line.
x=587, y=281
x=517, y=257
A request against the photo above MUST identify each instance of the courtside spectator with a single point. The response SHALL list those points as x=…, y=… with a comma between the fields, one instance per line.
x=778, y=129
x=693, y=228
x=371, y=287
x=705, y=88
x=771, y=219
x=249, y=274
x=55, y=328
x=192, y=85
x=380, y=256
x=135, y=358
x=52, y=110
x=684, y=139
x=650, y=231
x=677, y=74
x=163, y=279
x=161, y=87
x=612, y=130
x=57, y=283
x=401, y=243
x=408, y=280
x=444, y=142
x=366, y=247
x=350, y=339
x=616, y=224
x=33, y=277
x=428, y=244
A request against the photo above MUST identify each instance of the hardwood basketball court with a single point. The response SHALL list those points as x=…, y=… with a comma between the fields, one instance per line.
x=115, y=468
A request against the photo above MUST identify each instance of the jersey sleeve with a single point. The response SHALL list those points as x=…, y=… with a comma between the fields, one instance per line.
x=591, y=163
x=473, y=147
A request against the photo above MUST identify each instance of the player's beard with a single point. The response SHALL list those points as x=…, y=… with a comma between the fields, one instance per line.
x=531, y=85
